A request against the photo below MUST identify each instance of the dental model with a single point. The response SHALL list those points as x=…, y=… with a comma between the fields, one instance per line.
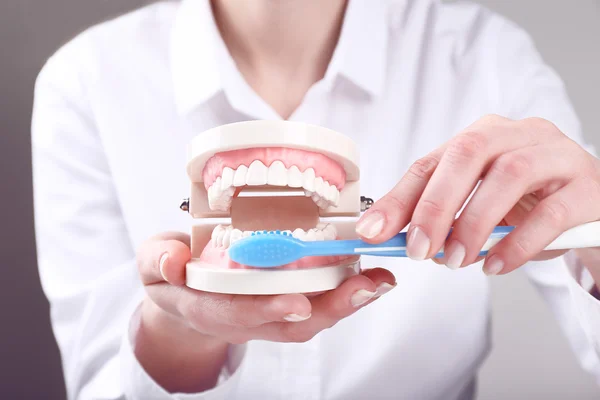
x=297, y=179
x=271, y=175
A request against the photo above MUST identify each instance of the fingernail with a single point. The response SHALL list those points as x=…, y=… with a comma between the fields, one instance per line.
x=383, y=288
x=456, y=255
x=296, y=318
x=493, y=265
x=370, y=225
x=418, y=244
x=361, y=297
x=161, y=265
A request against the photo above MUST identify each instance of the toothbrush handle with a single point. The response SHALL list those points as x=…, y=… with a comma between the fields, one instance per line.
x=395, y=247
x=582, y=236
x=357, y=246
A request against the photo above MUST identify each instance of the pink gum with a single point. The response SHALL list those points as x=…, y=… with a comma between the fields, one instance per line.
x=324, y=167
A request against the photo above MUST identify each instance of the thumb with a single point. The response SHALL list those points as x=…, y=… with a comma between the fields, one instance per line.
x=163, y=258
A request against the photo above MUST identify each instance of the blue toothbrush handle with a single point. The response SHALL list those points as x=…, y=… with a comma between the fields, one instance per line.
x=402, y=253
x=347, y=247
x=397, y=244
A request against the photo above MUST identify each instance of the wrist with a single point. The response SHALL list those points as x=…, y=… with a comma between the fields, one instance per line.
x=176, y=356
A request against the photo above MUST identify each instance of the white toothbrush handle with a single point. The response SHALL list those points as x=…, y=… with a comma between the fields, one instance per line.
x=582, y=236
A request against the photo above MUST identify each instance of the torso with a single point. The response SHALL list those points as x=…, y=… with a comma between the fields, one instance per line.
x=423, y=340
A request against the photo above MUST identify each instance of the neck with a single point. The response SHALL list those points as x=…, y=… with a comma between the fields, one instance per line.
x=293, y=33
x=276, y=43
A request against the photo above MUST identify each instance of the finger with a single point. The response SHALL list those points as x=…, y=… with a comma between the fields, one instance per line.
x=551, y=217
x=549, y=254
x=216, y=313
x=163, y=258
x=511, y=175
x=173, y=235
x=383, y=279
x=252, y=311
x=330, y=307
x=339, y=303
x=465, y=160
x=521, y=209
x=390, y=214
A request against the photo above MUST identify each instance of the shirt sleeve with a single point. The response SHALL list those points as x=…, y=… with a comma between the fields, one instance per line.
x=527, y=87
x=138, y=384
x=85, y=256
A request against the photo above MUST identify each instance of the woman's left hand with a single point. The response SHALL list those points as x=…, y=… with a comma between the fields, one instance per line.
x=532, y=175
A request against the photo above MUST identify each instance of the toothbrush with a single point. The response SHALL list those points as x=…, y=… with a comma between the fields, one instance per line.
x=268, y=249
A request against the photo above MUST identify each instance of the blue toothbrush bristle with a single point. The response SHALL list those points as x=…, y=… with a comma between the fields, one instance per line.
x=266, y=249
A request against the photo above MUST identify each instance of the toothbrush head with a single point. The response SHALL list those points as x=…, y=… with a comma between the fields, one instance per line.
x=267, y=249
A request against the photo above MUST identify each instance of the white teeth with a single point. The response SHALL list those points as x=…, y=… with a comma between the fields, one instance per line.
x=329, y=192
x=220, y=237
x=330, y=232
x=319, y=235
x=335, y=195
x=299, y=234
x=236, y=235
x=227, y=239
x=221, y=191
x=239, y=178
x=257, y=174
x=223, y=236
x=218, y=198
x=215, y=233
x=277, y=175
x=294, y=177
x=226, y=178
x=308, y=180
x=319, y=186
x=321, y=232
x=211, y=196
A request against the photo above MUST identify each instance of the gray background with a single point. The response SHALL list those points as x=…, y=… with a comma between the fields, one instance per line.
x=530, y=360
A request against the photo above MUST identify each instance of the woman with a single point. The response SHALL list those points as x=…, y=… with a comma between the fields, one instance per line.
x=449, y=93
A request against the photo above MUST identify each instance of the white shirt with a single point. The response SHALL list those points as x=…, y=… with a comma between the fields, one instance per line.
x=115, y=109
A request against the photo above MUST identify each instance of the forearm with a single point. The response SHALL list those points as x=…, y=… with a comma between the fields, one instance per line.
x=178, y=358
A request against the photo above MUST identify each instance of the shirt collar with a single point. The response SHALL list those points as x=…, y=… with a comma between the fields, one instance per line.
x=361, y=52
x=193, y=55
x=200, y=61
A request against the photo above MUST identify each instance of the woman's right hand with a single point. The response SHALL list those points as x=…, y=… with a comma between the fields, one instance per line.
x=213, y=320
x=240, y=318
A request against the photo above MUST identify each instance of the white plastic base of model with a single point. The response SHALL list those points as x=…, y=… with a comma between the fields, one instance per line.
x=201, y=276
